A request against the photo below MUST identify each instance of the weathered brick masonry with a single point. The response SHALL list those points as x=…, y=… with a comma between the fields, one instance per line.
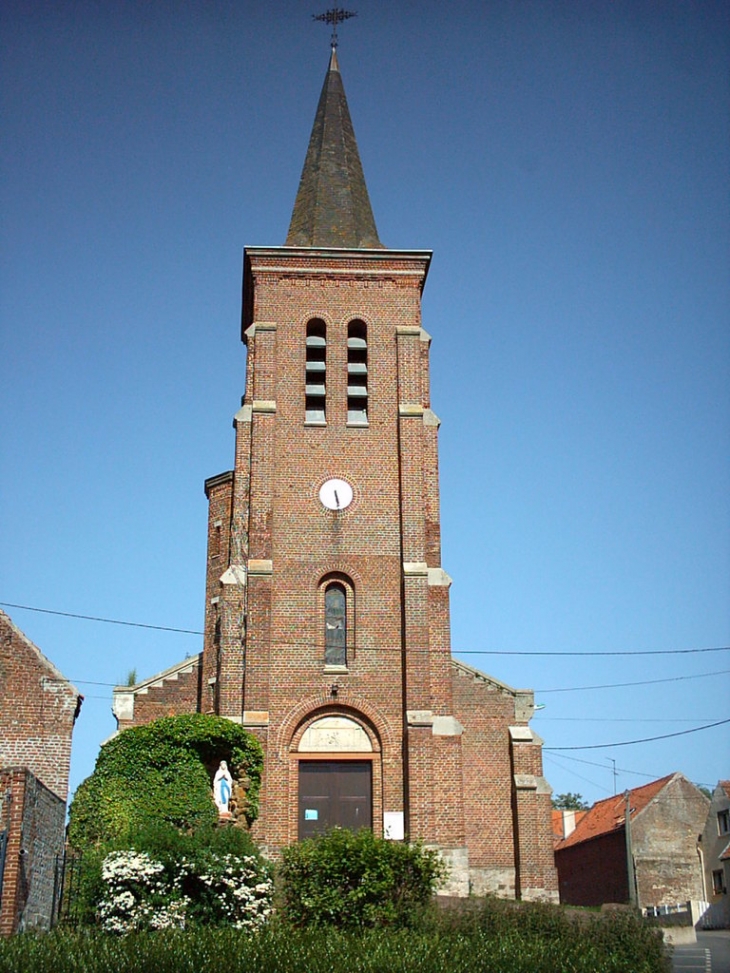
x=34, y=818
x=38, y=708
x=333, y=499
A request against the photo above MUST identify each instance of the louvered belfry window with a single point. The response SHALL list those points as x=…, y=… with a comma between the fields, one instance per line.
x=357, y=373
x=335, y=625
x=315, y=380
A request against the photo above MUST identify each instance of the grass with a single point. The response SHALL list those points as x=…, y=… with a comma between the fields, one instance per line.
x=489, y=937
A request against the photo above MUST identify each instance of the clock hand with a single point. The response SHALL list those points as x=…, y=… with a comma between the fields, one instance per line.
x=337, y=499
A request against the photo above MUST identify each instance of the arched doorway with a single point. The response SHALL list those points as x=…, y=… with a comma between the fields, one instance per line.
x=335, y=777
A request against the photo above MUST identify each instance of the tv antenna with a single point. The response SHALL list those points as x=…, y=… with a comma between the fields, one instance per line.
x=334, y=16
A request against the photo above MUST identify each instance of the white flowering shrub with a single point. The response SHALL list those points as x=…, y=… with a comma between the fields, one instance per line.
x=143, y=893
x=228, y=889
x=138, y=894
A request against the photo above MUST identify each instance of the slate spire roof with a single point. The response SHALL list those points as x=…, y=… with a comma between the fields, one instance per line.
x=332, y=207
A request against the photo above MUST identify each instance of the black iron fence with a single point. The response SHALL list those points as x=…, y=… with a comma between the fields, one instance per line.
x=66, y=886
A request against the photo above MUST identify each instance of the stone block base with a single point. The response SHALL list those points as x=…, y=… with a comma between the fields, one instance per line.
x=493, y=881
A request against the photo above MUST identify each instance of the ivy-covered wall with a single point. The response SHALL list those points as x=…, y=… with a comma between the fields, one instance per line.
x=163, y=772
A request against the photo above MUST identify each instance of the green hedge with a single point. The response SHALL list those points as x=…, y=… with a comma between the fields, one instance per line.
x=353, y=880
x=162, y=772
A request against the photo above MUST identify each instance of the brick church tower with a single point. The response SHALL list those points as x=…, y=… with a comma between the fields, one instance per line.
x=327, y=608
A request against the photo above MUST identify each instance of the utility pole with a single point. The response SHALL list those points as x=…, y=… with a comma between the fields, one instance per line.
x=633, y=899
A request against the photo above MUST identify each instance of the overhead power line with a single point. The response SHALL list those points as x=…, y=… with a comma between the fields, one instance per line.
x=94, y=618
x=457, y=652
x=556, y=761
x=619, y=770
x=628, y=743
x=717, y=648
x=643, y=682
x=599, y=719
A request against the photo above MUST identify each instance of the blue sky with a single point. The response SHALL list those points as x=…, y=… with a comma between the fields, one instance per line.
x=567, y=163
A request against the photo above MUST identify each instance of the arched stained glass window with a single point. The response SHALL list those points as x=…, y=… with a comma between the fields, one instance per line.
x=335, y=625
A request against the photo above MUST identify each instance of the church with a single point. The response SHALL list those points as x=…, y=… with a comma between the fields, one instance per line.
x=326, y=604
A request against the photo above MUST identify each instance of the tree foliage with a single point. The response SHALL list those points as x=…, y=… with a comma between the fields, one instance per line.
x=162, y=772
x=570, y=802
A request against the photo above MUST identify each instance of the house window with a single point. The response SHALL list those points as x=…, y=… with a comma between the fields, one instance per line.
x=335, y=625
x=718, y=882
x=357, y=373
x=723, y=821
x=315, y=379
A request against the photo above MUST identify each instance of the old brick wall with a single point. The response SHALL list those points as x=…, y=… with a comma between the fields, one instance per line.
x=664, y=840
x=38, y=707
x=594, y=871
x=486, y=713
x=506, y=799
x=35, y=820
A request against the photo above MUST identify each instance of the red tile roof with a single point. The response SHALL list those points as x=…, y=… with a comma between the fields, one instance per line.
x=608, y=815
x=725, y=784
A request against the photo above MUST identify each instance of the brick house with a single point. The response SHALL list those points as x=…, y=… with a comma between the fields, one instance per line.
x=38, y=709
x=666, y=819
x=715, y=848
x=327, y=607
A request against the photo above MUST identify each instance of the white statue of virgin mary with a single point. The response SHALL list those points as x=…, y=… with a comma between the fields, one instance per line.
x=222, y=788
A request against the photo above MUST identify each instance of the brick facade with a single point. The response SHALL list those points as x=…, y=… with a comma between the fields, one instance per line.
x=451, y=750
x=38, y=708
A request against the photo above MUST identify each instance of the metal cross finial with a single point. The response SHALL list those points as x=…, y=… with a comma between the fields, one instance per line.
x=334, y=16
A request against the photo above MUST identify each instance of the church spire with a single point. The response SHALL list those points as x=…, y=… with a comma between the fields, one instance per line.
x=332, y=208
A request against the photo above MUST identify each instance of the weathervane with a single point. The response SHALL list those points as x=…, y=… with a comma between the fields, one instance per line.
x=334, y=16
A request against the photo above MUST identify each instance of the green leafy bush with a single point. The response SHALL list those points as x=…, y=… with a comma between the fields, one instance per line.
x=162, y=772
x=355, y=880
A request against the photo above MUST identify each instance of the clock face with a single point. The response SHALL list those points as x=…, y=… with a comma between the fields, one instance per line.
x=336, y=494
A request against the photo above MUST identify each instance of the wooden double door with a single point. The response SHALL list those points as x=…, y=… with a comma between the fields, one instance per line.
x=334, y=793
